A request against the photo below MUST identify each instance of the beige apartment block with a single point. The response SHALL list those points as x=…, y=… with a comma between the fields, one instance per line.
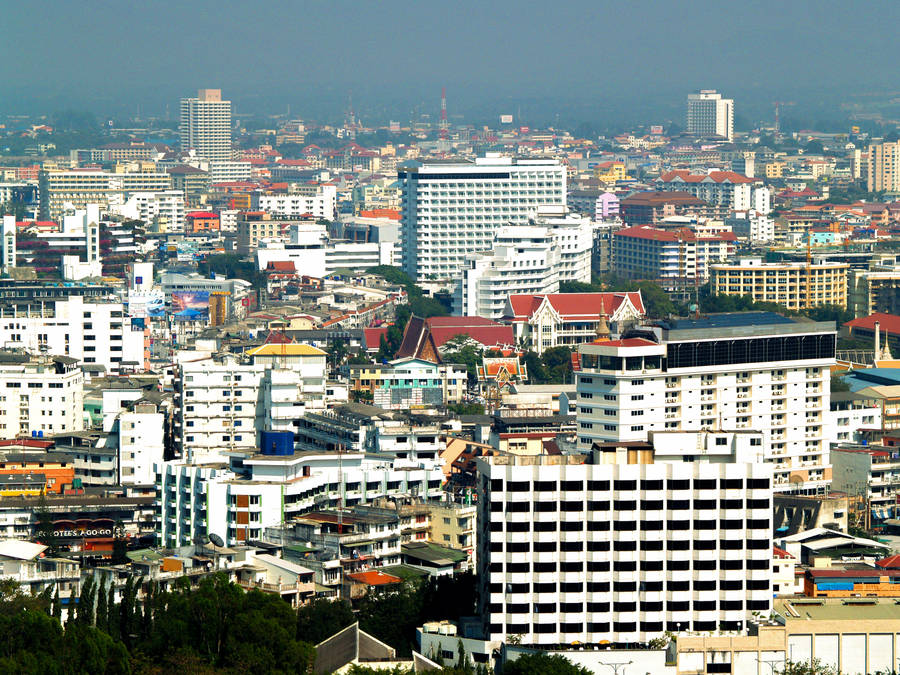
x=794, y=285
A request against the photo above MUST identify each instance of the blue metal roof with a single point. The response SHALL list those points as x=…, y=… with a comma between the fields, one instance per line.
x=727, y=320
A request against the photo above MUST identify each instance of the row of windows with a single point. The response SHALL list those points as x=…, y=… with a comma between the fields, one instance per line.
x=627, y=626
x=622, y=565
x=629, y=485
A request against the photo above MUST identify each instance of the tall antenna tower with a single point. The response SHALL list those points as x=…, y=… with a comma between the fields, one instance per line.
x=443, y=126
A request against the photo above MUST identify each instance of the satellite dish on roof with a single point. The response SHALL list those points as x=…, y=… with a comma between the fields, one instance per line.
x=216, y=540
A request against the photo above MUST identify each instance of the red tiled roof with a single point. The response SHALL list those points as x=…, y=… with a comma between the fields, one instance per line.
x=781, y=554
x=374, y=578
x=714, y=176
x=890, y=323
x=678, y=234
x=487, y=332
x=891, y=562
x=276, y=337
x=281, y=266
x=201, y=214
x=373, y=336
x=574, y=306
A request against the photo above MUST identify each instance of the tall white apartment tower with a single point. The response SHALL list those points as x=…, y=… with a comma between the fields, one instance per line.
x=626, y=543
x=451, y=209
x=750, y=370
x=708, y=114
x=8, y=249
x=206, y=125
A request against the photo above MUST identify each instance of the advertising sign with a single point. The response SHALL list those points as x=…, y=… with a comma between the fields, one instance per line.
x=190, y=305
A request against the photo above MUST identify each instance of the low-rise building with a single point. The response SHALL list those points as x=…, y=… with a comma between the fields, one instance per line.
x=542, y=321
x=410, y=383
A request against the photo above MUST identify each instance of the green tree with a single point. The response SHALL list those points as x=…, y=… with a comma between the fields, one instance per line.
x=86, y=602
x=393, y=616
x=45, y=531
x=541, y=663
x=102, y=617
x=321, y=618
x=461, y=350
x=466, y=408
x=813, y=667
x=557, y=365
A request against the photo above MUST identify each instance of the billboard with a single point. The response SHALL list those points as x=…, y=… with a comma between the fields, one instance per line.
x=506, y=119
x=656, y=129
x=190, y=305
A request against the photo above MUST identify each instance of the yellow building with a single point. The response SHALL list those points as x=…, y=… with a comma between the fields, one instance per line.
x=610, y=172
x=775, y=169
x=453, y=525
x=784, y=283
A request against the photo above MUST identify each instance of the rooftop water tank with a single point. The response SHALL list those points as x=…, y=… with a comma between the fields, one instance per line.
x=277, y=443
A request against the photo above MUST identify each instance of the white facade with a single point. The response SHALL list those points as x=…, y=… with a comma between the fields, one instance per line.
x=229, y=171
x=320, y=201
x=206, y=125
x=43, y=395
x=761, y=200
x=450, y=210
x=97, y=333
x=217, y=403
x=165, y=209
x=8, y=244
x=141, y=446
x=772, y=378
x=849, y=414
x=628, y=545
x=222, y=405
x=524, y=259
x=708, y=114
x=574, y=238
x=196, y=499
x=322, y=259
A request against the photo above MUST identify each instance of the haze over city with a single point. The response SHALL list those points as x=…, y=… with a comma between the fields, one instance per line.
x=585, y=61
x=474, y=338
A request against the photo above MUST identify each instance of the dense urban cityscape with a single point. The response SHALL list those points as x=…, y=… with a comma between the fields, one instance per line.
x=443, y=393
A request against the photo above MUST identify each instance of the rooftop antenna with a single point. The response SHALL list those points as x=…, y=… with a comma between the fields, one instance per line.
x=443, y=123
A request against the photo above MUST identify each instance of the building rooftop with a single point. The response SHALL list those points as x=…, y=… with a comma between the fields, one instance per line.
x=726, y=320
x=871, y=609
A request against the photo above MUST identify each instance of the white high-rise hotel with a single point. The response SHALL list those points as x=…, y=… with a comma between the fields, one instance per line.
x=206, y=125
x=708, y=114
x=452, y=209
x=753, y=370
x=637, y=539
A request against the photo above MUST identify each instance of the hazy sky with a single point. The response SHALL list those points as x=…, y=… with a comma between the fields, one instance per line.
x=392, y=55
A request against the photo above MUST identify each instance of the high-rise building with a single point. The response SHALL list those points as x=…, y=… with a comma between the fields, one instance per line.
x=206, y=125
x=8, y=247
x=884, y=167
x=452, y=209
x=626, y=543
x=708, y=114
x=750, y=370
x=524, y=259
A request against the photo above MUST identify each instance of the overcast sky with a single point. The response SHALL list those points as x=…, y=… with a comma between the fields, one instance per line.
x=96, y=54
